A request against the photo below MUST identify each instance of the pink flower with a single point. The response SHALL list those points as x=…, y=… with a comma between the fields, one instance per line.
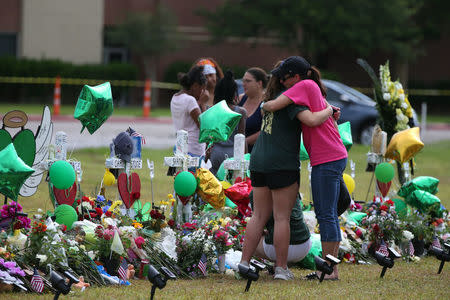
x=139, y=241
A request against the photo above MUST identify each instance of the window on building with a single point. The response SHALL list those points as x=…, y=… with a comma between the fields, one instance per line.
x=115, y=55
x=8, y=44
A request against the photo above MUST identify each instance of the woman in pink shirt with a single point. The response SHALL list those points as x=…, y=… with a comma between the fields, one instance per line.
x=322, y=142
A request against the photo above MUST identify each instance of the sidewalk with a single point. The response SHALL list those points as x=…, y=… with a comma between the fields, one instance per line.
x=158, y=132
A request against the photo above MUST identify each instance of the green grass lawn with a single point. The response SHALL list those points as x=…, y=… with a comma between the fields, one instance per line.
x=403, y=281
x=36, y=109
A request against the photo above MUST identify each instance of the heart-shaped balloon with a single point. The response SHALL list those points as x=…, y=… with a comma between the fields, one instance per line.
x=65, y=196
x=184, y=200
x=384, y=187
x=129, y=190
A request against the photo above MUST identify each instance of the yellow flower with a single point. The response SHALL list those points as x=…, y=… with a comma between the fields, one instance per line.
x=137, y=225
x=169, y=196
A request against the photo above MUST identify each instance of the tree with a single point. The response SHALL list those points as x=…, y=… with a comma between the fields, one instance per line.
x=148, y=35
x=318, y=27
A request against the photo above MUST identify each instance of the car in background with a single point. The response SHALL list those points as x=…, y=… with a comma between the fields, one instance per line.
x=356, y=108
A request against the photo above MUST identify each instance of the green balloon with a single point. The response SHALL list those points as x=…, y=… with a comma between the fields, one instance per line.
x=400, y=207
x=423, y=201
x=384, y=172
x=356, y=216
x=65, y=214
x=345, y=131
x=94, y=106
x=185, y=184
x=229, y=203
x=217, y=123
x=221, y=172
x=62, y=174
x=13, y=172
x=303, y=153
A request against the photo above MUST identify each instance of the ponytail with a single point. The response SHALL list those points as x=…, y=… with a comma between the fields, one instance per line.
x=314, y=74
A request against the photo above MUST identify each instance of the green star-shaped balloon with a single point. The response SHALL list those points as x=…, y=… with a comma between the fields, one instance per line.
x=94, y=106
x=217, y=123
x=13, y=172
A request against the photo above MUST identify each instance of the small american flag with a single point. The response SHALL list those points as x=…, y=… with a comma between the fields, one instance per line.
x=411, y=249
x=436, y=243
x=383, y=249
x=36, y=282
x=122, y=271
x=202, y=264
x=132, y=132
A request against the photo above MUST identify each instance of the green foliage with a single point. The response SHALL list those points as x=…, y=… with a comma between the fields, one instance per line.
x=315, y=27
x=147, y=34
x=172, y=70
x=26, y=67
x=43, y=93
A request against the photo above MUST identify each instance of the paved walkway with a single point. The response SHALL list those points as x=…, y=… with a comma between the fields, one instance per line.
x=158, y=132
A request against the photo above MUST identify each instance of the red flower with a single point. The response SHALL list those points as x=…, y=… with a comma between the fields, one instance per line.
x=390, y=202
x=99, y=211
x=347, y=256
x=384, y=207
x=375, y=227
x=108, y=213
x=85, y=199
x=358, y=232
x=63, y=227
x=139, y=241
x=171, y=223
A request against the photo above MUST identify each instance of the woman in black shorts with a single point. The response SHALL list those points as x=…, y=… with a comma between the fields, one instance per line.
x=275, y=176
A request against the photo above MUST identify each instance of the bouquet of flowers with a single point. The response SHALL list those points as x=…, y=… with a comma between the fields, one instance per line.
x=382, y=223
x=190, y=248
x=9, y=213
x=392, y=102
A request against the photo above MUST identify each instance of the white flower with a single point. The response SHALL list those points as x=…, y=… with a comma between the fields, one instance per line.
x=404, y=105
x=386, y=96
x=402, y=98
x=42, y=258
x=408, y=235
x=398, y=86
x=74, y=249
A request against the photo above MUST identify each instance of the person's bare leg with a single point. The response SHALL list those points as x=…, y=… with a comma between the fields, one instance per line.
x=262, y=210
x=283, y=202
x=330, y=248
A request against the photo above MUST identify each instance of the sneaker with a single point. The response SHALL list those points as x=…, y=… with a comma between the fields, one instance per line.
x=283, y=274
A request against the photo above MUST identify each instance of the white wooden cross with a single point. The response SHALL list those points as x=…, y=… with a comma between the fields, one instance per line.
x=59, y=152
x=182, y=162
x=239, y=165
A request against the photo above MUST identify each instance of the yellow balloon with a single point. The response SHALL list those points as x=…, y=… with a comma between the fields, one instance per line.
x=349, y=182
x=225, y=184
x=108, y=178
x=404, y=145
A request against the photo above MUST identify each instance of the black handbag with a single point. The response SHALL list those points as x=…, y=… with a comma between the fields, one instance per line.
x=344, y=198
